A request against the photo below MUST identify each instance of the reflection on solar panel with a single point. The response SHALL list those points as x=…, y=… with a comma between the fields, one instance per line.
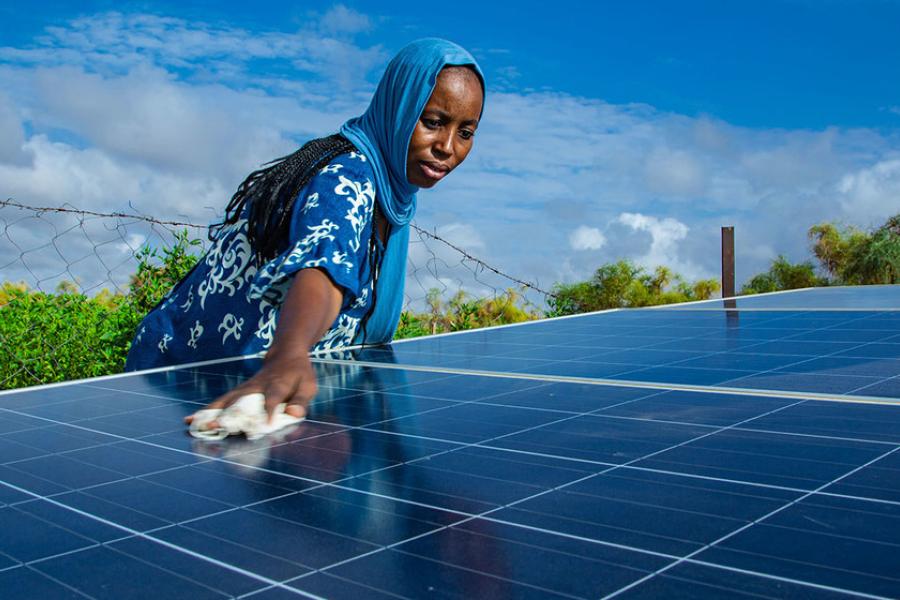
x=695, y=451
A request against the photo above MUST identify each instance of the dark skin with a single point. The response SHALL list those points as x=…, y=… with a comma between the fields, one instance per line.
x=440, y=142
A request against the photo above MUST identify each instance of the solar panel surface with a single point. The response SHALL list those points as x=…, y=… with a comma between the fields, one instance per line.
x=597, y=456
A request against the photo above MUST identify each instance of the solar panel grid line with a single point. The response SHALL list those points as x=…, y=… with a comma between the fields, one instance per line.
x=147, y=532
x=583, y=329
x=60, y=554
x=825, y=355
x=723, y=299
x=612, y=467
x=602, y=472
x=205, y=516
x=576, y=316
x=638, y=313
x=781, y=578
x=138, y=534
x=659, y=471
x=357, y=557
x=599, y=412
x=761, y=519
x=400, y=542
x=652, y=470
x=406, y=541
x=103, y=483
x=718, y=567
x=455, y=446
x=90, y=380
x=752, y=346
x=629, y=383
x=201, y=517
x=122, y=438
x=749, y=348
x=865, y=387
x=174, y=468
x=635, y=460
x=61, y=583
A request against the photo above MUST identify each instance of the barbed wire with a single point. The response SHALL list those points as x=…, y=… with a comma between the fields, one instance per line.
x=480, y=262
x=420, y=230
x=69, y=255
x=114, y=215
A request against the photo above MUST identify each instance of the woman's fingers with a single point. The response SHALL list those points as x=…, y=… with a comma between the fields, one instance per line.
x=277, y=391
x=296, y=406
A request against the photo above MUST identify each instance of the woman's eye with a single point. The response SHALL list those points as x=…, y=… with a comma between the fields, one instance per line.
x=431, y=123
x=466, y=134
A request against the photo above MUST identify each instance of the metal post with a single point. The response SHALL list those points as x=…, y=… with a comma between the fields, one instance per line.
x=727, y=262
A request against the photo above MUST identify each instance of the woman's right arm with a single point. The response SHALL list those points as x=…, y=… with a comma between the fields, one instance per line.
x=321, y=261
x=312, y=304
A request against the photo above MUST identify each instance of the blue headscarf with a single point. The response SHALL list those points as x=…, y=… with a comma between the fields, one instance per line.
x=383, y=133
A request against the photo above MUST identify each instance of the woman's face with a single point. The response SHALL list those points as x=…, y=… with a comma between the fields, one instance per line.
x=444, y=132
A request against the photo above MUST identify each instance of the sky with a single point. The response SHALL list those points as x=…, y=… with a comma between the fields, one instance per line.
x=611, y=130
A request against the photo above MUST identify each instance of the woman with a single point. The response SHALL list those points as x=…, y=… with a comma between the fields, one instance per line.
x=316, y=243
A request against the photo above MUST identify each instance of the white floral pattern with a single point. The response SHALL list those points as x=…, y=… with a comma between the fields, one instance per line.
x=196, y=332
x=190, y=300
x=231, y=325
x=163, y=344
x=230, y=293
x=362, y=198
x=230, y=262
x=312, y=201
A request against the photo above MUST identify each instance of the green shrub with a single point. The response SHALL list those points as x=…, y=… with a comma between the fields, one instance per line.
x=784, y=275
x=463, y=312
x=624, y=284
x=67, y=335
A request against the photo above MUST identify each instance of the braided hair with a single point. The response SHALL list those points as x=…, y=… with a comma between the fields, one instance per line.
x=272, y=191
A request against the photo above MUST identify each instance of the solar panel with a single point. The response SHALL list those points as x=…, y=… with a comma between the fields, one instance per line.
x=694, y=451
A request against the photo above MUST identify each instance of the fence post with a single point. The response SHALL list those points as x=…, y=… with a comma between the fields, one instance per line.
x=727, y=262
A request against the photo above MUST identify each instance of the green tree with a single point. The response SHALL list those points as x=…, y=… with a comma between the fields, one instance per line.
x=623, y=284
x=877, y=259
x=784, y=275
x=854, y=257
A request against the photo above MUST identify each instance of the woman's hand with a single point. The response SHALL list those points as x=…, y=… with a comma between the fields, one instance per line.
x=311, y=306
x=282, y=379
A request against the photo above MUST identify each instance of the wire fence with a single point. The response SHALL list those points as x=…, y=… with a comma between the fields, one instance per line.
x=63, y=262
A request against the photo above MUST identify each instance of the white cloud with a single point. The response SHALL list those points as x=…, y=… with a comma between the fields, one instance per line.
x=665, y=236
x=872, y=193
x=12, y=135
x=586, y=238
x=114, y=43
x=169, y=116
x=342, y=20
x=676, y=173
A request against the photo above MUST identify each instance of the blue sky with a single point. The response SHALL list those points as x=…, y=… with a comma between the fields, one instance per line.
x=788, y=63
x=611, y=130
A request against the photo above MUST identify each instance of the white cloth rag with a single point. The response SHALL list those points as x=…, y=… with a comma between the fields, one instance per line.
x=246, y=415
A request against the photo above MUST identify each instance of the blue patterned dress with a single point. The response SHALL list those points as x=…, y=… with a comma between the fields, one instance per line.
x=229, y=305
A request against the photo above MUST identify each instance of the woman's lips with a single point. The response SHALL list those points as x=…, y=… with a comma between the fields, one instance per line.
x=433, y=170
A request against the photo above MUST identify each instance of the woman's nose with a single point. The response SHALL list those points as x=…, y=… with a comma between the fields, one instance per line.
x=443, y=145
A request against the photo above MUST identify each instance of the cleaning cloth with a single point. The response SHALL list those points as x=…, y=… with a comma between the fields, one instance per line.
x=246, y=415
